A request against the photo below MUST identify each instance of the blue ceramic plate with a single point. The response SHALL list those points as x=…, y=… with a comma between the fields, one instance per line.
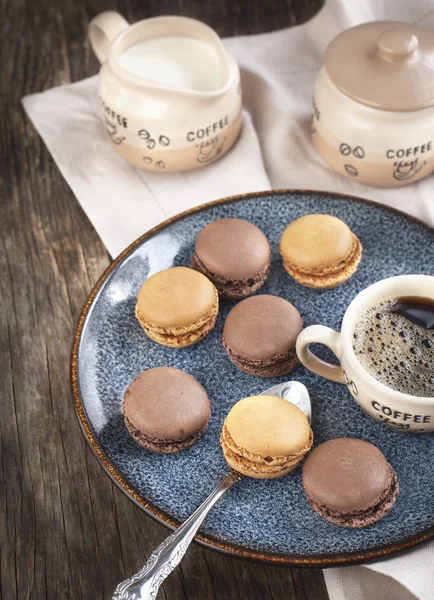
x=265, y=520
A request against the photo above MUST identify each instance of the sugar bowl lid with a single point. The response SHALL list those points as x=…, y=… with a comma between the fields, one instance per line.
x=384, y=64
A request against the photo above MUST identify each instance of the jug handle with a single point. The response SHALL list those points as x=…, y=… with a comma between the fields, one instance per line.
x=103, y=29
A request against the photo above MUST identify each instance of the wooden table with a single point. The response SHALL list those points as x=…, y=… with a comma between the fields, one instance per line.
x=65, y=530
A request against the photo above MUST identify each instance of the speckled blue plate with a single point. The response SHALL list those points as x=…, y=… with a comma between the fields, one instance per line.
x=263, y=520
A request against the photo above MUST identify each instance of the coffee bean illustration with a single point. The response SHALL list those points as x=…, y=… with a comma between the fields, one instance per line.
x=359, y=152
x=163, y=140
x=151, y=144
x=351, y=170
x=353, y=388
x=396, y=424
x=345, y=149
x=147, y=160
x=160, y=164
x=144, y=134
x=315, y=112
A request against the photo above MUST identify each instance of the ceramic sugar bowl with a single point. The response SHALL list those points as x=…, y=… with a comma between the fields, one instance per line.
x=169, y=91
x=373, y=106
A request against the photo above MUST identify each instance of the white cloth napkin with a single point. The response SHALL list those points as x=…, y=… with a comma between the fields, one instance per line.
x=278, y=72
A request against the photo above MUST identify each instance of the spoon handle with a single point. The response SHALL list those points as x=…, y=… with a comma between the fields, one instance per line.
x=144, y=585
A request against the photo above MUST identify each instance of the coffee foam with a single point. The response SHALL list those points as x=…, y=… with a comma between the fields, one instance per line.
x=395, y=351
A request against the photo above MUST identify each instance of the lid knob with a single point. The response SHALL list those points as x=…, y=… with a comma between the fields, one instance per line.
x=397, y=44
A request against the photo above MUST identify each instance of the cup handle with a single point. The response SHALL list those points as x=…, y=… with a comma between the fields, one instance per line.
x=321, y=335
x=103, y=29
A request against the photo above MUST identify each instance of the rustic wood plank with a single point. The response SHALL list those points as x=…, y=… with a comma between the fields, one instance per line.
x=67, y=532
x=282, y=585
x=312, y=581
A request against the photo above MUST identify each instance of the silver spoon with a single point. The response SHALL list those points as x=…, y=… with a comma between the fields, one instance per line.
x=144, y=585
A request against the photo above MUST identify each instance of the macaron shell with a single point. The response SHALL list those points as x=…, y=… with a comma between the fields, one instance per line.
x=329, y=277
x=166, y=404
x=267, y=368
x=268, y=426
x=315, y=242
x=257, y=473
x=234, y=249
x=176, y=297
x=346, y=475
x=262, y=327
x=163, y=446
x=180, y=337
x=256, y=466
x=365, y=517
x=232, y=289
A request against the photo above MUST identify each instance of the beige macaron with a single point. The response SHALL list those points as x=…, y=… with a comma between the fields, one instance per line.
x=320, y=251
x=265, y=437
x=177, y=307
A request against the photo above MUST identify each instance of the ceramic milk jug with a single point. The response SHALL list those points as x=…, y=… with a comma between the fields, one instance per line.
x=373, y=106
x=170, y=93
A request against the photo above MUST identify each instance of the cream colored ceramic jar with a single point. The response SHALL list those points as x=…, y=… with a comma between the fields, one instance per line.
x=160, y=127
x=373, y=106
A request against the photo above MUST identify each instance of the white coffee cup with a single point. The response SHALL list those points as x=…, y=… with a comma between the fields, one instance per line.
x=398, y=410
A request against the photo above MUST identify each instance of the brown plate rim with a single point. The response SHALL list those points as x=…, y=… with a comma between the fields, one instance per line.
x=212, y=542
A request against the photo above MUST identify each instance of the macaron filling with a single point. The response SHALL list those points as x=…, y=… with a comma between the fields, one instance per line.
x=162, y=446
x=272, y=367
x=269, y=466
x=367, y=516
x=180, y=336
x=232, y=288
x=345, y=268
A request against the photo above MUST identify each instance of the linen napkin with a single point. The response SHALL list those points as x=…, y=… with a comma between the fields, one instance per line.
x=278, y=73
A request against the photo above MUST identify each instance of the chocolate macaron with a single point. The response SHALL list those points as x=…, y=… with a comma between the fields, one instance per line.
x=320, y=251
x=166, y=410
x=265, y=437
x=349, y=482
x=260, y=333
x=177, y=307
x=235, y=255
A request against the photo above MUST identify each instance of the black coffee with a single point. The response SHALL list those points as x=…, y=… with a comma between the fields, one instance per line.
x=417, y=310
x=394, y=342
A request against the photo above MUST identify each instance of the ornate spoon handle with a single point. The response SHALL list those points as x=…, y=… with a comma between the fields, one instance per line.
x=144, y=585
